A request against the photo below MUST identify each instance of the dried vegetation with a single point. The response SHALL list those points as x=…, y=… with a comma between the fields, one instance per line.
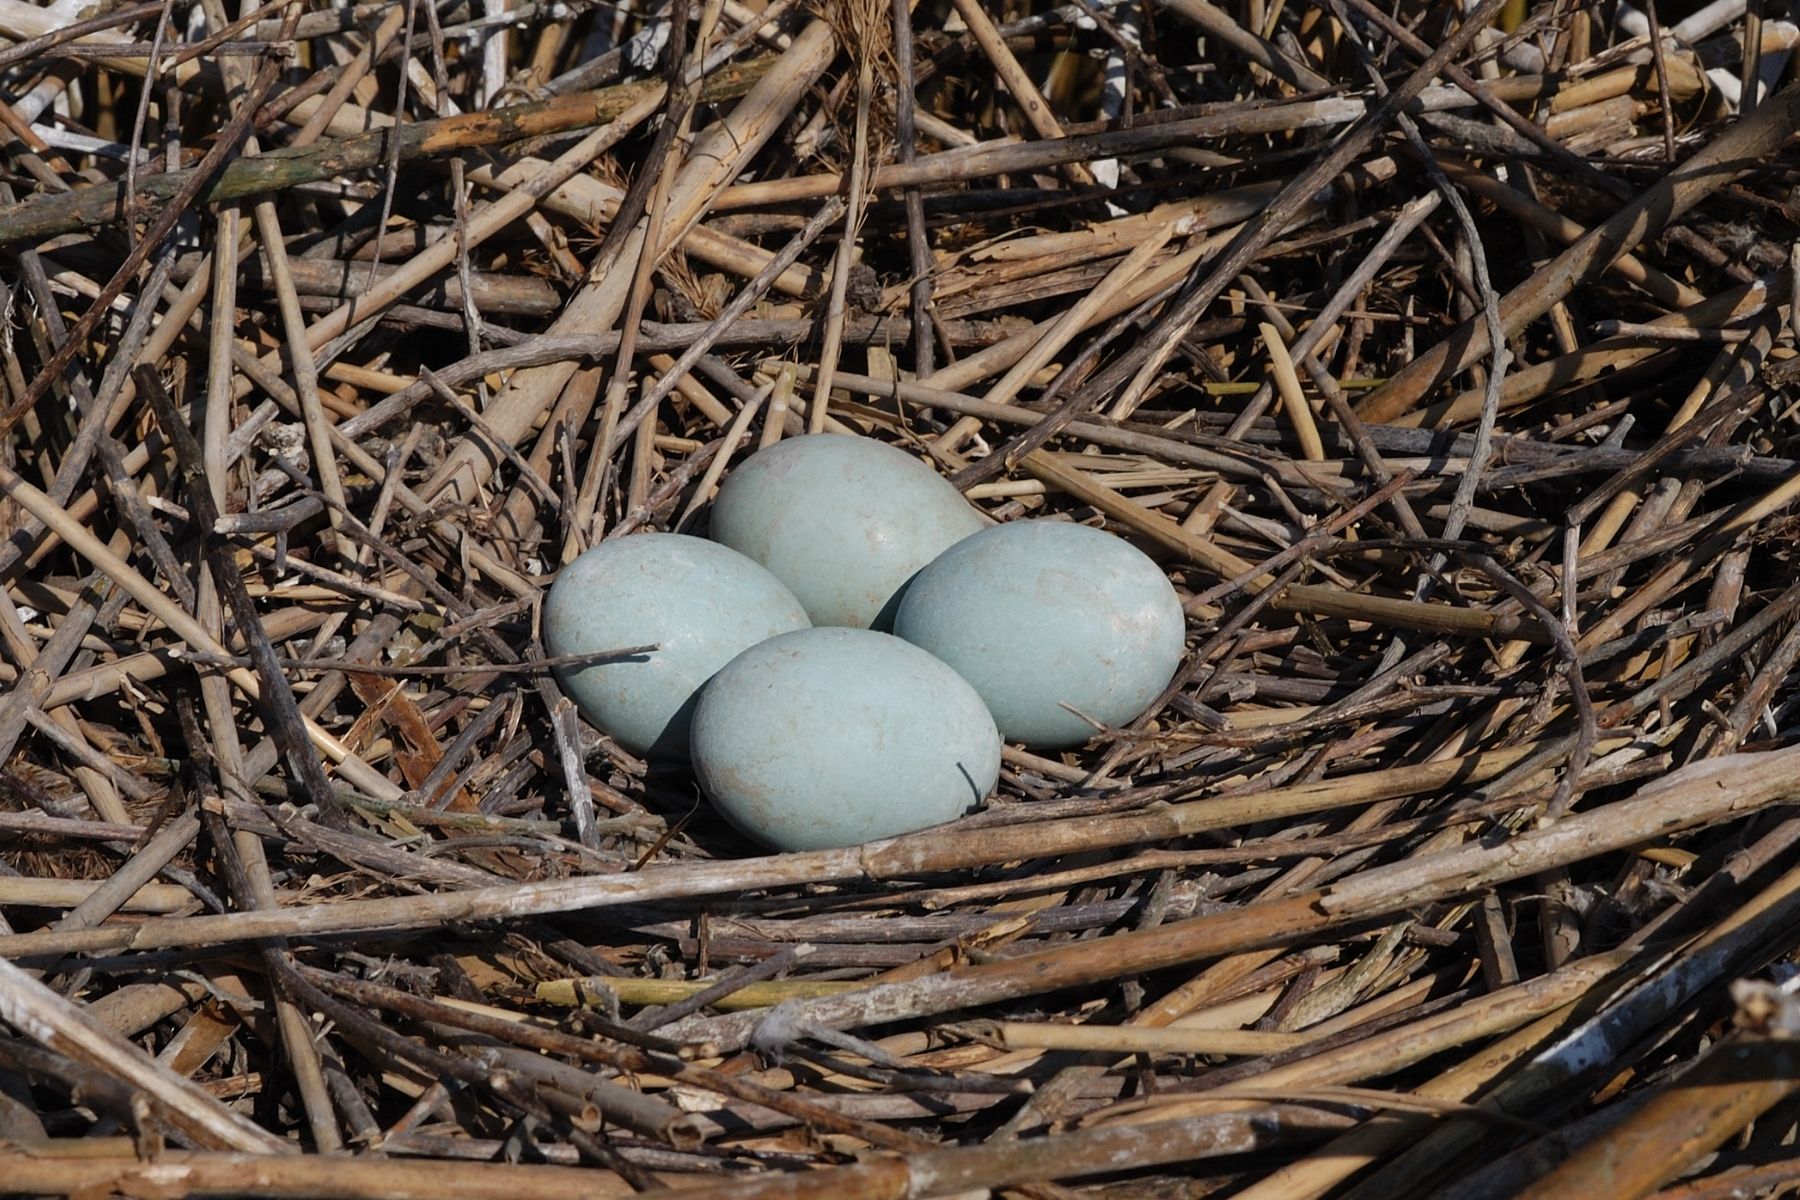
x=1447, y=360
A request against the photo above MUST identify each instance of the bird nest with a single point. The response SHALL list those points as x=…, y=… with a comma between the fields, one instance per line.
x=1445, y=359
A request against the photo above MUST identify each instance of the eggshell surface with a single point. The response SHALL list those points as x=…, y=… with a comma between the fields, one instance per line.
x=1041, y=614
x=832, y=737
x=843, y=521
x=698, y=602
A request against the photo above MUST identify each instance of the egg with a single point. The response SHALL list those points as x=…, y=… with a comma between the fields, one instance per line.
x=1039, y=615
x=844, y=521
x=832, y=737
x=698, y=602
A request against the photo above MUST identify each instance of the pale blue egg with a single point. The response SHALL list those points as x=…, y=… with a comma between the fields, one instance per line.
x=1047, y=616
x=698, y=602
x=843, y=521
x=832, y=737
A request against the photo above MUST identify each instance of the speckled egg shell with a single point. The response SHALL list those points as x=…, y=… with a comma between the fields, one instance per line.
x=832, y=737
x=1039, y=614
x=843, y=521
x=699, y=602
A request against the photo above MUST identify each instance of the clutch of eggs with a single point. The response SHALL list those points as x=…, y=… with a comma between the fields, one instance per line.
x=808, y=738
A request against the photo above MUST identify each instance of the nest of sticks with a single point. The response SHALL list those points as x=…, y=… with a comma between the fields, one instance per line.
x=1446, y=360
